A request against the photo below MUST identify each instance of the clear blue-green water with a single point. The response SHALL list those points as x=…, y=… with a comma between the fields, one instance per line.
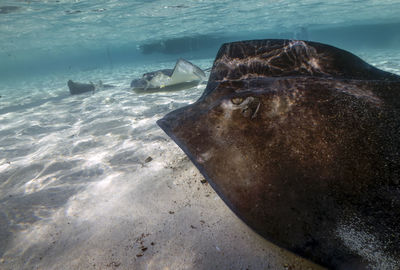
x=41, y=37
x=75, y=190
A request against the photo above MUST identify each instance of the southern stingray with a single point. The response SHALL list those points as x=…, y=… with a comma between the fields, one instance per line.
x=76, y=88
x=184, y=75
x=302, y=141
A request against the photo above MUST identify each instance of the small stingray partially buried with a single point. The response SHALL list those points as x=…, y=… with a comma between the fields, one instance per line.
x=302, y=141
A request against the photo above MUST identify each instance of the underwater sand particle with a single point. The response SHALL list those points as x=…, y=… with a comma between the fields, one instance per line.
x=113, y=264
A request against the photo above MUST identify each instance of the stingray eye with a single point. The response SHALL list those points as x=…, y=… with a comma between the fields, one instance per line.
x=237, y=100
x=247, y=112
x=251, y=108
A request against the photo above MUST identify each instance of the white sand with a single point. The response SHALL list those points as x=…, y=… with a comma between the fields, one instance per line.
x=76, y=192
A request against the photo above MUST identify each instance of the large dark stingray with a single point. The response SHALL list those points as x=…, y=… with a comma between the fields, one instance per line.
x=302, y=141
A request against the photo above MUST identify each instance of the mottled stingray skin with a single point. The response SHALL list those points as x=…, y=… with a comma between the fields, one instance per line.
x=302, y=141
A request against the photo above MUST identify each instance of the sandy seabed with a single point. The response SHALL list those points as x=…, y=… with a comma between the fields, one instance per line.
x=91, y=182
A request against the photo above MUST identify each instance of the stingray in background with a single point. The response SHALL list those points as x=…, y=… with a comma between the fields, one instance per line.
x=184, y=75
x=302, y=141
x=76, y=88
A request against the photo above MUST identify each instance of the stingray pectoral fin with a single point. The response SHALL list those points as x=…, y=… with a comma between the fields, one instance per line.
x=185, y=71
x=159, y=80
x=169, y=88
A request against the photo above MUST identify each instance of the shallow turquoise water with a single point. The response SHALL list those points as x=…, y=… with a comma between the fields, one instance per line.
x=55, y=149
